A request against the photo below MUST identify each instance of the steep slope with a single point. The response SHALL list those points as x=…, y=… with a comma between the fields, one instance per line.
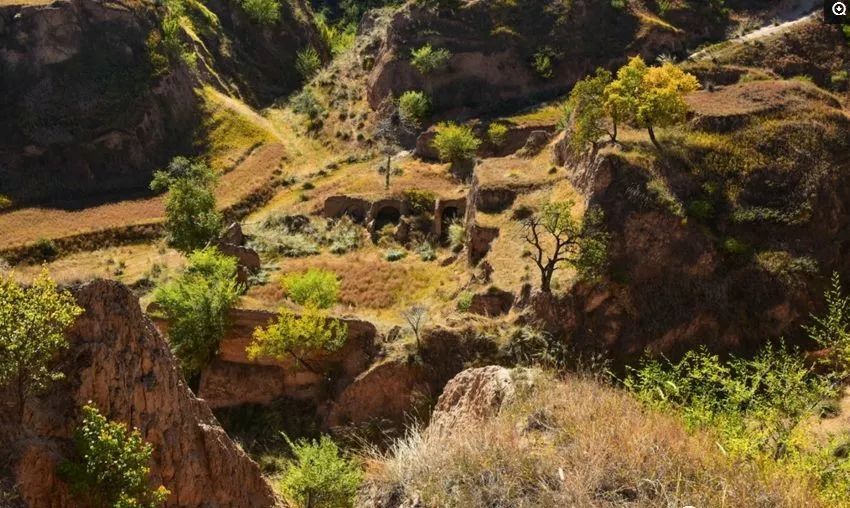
x=727, y=236
x=121, y=363
x=506, y=54
x=92, y=99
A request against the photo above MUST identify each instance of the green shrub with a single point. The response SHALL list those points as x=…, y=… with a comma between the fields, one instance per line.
x=111, y=468
x=395, y=255
x=5, y=202
x=542, y=64
x=736, y=247
x=413, y=107
x=427, y=59
x=464, y=301
x=344, y=236
x=266, y=12
x=457, y=235
x=314, y=287
x=196, y=306
x=701, y=210
x=308, y=62
x=838, y=80
x=455, y=143
x=497, y=133
x=320, y=477
x=421, y=201
x=832, y=331
x=339, y=37
x=426, y=251
x=46, y=249
x=305, y=103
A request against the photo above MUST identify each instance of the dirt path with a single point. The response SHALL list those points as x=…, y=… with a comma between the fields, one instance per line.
x=804, y=11
x=28, y=225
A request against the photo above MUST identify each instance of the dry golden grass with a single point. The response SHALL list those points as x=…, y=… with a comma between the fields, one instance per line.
x=128, y=264
x=21, y=227
x=758, y=97
x=574, y=443
x=370, y=285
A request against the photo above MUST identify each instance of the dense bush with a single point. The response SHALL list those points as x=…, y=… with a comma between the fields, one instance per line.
x=191, y=218
x=344, y=236
x=308, y=62
x=758, y=408
x=464, y=301
x=421, y=201
x=542, y=63
x=395, y=255
x=305, y=103
x=314, y=287
x=455, y=143
x=413, y=107
x=457, y=235
x=111, y=465
x=426, y=251
x=266, y=12
x=196, y=305
x=320, y=477
x=497, y=133
x=46, y=249
x=427, y=59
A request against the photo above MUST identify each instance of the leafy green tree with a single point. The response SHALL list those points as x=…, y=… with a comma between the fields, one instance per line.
x=587, y=106
x=196, y=306
x=622, y=94
x=266, y=12
x=320, y=477
x=190, y=209
x=455, y=143
x=413, y=107
x=316, y=287
x=297, y=336
x=33, y=321
x=111, y=469
x=557, y=238
x=427, y=59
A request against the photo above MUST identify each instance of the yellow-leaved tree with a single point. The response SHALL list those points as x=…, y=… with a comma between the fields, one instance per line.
x=649, y=97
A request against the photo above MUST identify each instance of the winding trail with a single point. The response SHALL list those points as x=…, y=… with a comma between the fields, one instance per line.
x=801, y=13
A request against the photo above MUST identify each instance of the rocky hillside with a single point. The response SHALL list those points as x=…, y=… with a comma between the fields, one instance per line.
x=119, y=362
x=505, y=54
x=94, y=95
x=720, y=238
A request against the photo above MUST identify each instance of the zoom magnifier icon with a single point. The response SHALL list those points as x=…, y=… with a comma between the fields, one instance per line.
x=839, y=9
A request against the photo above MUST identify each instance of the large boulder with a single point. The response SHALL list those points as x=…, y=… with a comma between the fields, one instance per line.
x=472, y=395
x=119, y=362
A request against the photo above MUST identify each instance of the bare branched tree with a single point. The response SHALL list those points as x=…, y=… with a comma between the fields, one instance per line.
x=558, y=238
x=390, y=131
x=416, y=317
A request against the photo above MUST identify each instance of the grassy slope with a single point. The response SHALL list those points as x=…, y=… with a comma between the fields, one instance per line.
x=576, y=442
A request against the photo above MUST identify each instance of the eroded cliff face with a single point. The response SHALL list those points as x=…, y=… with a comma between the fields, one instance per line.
x=81, y=111
x=728, y=245
x=494, y=46
x=87, y=110
x=118, y=361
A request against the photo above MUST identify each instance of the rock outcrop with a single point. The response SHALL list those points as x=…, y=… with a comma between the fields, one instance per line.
x=494, y=48
x=472, y=395
x=119, y=362
x=81, y=109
